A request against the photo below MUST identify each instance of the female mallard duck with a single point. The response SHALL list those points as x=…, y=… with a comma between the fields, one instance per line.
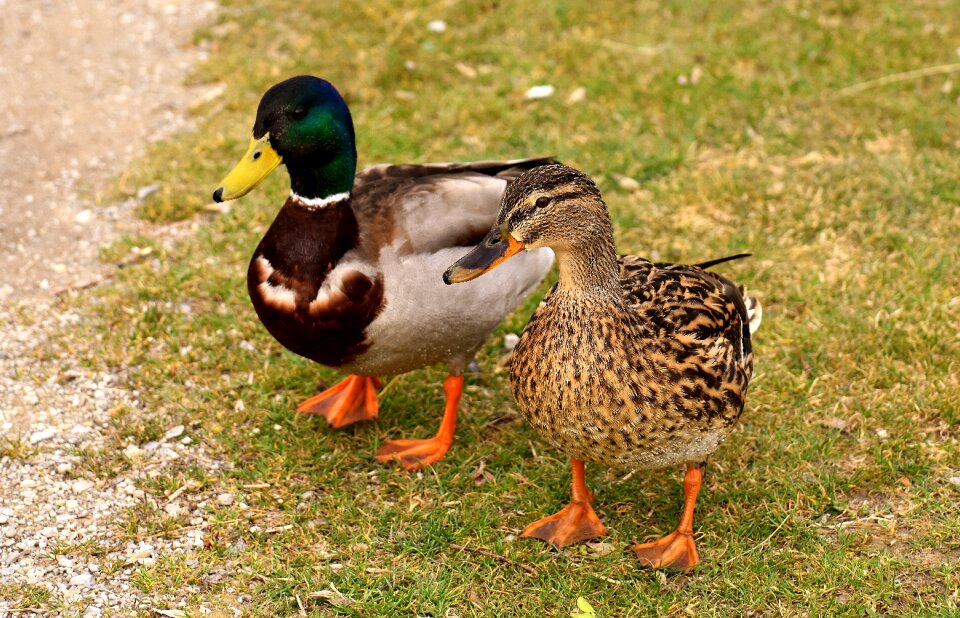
x=347, y=273
x=626, y=362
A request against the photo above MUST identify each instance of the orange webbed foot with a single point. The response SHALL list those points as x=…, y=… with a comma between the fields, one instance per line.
x=674, y=551
x=574, y=523
x=352, y=400
x=414, y=454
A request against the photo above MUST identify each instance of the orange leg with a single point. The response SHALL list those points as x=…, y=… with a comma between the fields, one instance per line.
x=352, y=400
x=676, y=550
x=414, y=454
x=576, y=522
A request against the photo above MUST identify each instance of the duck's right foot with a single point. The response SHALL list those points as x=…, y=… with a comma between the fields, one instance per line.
x=576, y=522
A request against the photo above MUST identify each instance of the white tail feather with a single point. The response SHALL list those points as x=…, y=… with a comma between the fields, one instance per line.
x=754, y=312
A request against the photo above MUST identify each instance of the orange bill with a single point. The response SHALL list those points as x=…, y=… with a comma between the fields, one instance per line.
x=495, y=249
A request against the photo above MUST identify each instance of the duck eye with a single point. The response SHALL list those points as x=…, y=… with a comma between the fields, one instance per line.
x=542, y=201
x=298, y=113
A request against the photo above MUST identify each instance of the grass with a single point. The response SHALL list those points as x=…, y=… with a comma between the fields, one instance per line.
x=832, y=498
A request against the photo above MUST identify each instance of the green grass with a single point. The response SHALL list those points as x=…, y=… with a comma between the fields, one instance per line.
x=849, y=203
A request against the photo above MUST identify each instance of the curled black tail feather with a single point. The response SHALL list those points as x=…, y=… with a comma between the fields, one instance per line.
x=729, y=258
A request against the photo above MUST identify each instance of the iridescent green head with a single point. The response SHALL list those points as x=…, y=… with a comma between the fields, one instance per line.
x=304, y=123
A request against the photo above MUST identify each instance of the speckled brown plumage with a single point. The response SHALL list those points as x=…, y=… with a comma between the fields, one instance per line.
x=625, y=363
x=652, y=376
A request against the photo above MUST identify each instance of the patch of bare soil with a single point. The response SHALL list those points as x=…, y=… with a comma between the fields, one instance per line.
x=85, y=86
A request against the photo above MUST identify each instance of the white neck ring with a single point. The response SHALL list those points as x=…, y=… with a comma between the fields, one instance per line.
x=319, y=202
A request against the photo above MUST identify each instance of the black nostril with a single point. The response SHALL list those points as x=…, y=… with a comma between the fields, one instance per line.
x=218, y=195
x=256, y=155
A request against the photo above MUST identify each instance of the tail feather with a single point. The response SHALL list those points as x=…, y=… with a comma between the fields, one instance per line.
x=729, y=258
x=754, y=310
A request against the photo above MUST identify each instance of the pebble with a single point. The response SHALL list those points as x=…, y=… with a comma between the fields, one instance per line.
x=44, y=434
x=84, y=579
x=225, y=499
x=132, y=451
x=82, y=485
x=173, y=432
x=146, y=191
x=539, y=92
x=510, y=341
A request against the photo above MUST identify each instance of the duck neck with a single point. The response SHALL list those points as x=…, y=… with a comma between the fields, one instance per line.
x=589, y=266
x=322, y=176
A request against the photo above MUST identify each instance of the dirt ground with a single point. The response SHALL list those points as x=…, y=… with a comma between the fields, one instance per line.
x=86, y=85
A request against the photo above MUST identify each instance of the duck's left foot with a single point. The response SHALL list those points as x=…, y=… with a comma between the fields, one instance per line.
x=352, y=400
x=576, y=522
x=414, y=454
x=674, y=551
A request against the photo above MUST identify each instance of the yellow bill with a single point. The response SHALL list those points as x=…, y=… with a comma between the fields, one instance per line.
x=259, y=160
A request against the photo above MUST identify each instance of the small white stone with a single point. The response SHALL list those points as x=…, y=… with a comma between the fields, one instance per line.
x=82, y=485
x=147, y=191
x=64, y=468
x=48, y=531
x=225, y=499
x=437, y=25
x=628, y=183
x=84, y=216
x=84, y=579
x=173, y=432
x=539, y=92
x=173, y=509
x=577, y=95
x=133, y=452
x=695, y=74
x=510, y=341
x=43, y=434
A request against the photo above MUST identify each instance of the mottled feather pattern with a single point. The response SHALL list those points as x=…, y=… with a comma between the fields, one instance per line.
x=653, y=378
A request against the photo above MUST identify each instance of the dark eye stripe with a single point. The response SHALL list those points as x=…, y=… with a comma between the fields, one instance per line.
x=563, y=197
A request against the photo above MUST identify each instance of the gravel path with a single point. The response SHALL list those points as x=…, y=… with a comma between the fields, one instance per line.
x=86, y=85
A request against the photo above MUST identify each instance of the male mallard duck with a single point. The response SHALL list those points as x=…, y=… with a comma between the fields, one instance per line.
x=626, y=362
x=347, y=274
